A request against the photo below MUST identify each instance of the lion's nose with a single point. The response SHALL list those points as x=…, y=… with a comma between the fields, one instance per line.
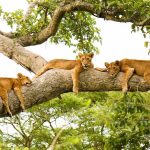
x=85, y=65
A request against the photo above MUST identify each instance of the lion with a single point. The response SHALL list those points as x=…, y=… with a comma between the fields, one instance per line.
x=7, y=84
x=129, y=67
x=83, y=62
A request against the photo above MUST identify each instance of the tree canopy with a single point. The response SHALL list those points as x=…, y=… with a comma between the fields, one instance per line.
x=90, y=121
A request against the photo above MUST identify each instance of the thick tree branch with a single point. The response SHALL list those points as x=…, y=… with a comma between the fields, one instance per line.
x=7, y=34
x=58, y=81
x=19, y=54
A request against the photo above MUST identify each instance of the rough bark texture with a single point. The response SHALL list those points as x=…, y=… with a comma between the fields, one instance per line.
x=57, y=81
x=19, y=54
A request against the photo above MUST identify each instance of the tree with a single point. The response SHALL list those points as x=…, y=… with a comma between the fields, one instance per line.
x=59, y=21
x=91, y=121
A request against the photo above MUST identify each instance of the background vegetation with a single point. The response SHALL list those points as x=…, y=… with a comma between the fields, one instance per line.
x=90, y=121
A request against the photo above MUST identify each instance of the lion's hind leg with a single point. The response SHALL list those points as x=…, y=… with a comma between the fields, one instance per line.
x=127, y=75
x=42, y=70
x=147, y=77
x=4, y=96
x=20, y=97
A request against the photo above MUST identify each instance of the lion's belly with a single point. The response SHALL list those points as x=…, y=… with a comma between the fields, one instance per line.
x=64, y=64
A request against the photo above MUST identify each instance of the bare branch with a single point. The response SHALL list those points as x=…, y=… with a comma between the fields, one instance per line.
x=52, y=146
x=31, y=6
x=19, y=54
x=16, y=138
x=20, y=126
x=14, y=126
x=144, y=22
x=7, y=34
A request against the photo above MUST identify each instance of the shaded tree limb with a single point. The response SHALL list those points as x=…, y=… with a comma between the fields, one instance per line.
x=7, y=34
x=58, y=81
x=19, y=54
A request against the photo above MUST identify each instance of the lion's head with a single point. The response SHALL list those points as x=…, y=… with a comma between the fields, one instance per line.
x=113, y=68
x=24, y=79
x=86, y=59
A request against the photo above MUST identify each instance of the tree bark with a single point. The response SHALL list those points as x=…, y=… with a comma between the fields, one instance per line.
x=55, y=82
x=19, y=54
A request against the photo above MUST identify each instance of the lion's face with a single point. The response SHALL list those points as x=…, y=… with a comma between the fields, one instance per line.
x=24, y=79
x=113, y=68
x=86, y=59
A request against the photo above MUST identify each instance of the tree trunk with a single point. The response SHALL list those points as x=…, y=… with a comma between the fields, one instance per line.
x=58, y=81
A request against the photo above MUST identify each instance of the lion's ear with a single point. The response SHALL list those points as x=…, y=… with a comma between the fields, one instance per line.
x=19, y=75
x=106, y=64
x=117, y=62
x=80, y=55
x=91, y=54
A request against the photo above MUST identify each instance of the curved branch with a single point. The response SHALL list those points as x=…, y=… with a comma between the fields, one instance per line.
x=52, y=28
x=19, y=54
x=118, y=14
x=7, y=34
x=58, y=81
x=115, y=13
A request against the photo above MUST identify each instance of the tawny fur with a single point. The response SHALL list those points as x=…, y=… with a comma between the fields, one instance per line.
x=7, y=84
x=77, y=66
x=129, y=67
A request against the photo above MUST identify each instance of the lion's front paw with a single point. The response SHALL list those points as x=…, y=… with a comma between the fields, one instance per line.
x=124, y=90
x=143, y=82
x=22, y=108
x=75, y=90
x=9, y=114
x=33, y=79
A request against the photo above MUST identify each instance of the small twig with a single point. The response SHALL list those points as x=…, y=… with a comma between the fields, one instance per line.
x=52, y=146
x=31, y=6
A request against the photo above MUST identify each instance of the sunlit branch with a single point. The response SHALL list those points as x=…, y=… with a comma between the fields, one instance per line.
x=52, y=146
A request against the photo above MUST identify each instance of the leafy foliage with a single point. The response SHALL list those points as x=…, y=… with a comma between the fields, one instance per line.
x=92, y=121
x=80, y=33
